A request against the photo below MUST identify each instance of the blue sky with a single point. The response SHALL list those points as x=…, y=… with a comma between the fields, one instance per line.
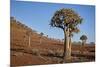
x=37, y=15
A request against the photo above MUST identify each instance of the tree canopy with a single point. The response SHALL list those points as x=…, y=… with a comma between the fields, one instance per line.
x=66, y=18
x=83, y=37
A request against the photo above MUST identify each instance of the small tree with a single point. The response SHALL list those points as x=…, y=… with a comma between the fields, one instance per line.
x=28, y=33
x=67, y=20
x=41, y=37
x=83, y=38
x=47, y=36
x=92, y=43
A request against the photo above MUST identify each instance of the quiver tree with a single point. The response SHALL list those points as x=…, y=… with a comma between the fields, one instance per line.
x=29, y=33
x=41, y=34
x=67, y=20
x=47, y=36
x=83, y=38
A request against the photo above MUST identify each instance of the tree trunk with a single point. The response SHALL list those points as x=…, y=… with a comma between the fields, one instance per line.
x=40, y=39
x=29, y=42
x=65, y=38
x=67, y=53
x=83, y=42
x=70, y=46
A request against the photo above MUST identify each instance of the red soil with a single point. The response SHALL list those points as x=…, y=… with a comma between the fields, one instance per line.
x=48, y=52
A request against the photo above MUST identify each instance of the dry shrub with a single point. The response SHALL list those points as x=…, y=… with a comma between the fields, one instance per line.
x=57, y=60
x=35, y=52
x=55, y=52
x=18, y=54
x=51, y=53
x=58, y=53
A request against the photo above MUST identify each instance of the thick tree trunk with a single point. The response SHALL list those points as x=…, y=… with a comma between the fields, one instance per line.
x=67, y=53
x=83, y=42
x=70, y=46
x=65, y=38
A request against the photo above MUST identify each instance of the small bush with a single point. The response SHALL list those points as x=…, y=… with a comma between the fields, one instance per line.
x=59, y=53
x=51, y=53
x=35, y=52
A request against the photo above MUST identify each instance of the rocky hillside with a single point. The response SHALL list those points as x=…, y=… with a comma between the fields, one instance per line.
x=20, y=33
x=41, y=50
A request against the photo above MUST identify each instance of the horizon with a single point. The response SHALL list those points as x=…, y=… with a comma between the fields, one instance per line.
x=31, y=14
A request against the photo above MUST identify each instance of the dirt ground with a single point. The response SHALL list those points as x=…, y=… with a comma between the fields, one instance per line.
x=49, y=51
x=44, y=54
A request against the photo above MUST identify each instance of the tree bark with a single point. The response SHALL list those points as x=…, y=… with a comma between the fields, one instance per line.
x=67, y=50
x=65, y=38
x=84, y=42
x=29, y=42
x=70, y=45
x=41, y=40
